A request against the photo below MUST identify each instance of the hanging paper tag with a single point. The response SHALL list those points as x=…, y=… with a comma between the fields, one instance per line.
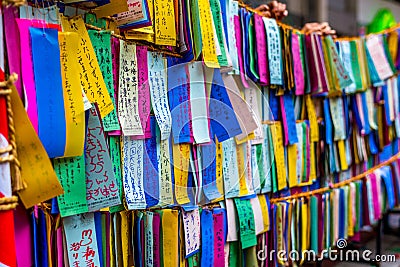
x=274, y=51
x=164, y=22
x=101, y=42
x=73, y=103
x=207, y=238
x=13, y=44
x=150, y=167
x=246, y=221
x=230, y=169
x=128, y=91
x=223, y=119
x=191, y=226
x=208, y=156
x=164, y=174
x=276, y=130
x=144, y=103
x=91, y=79
x=207, y=34
x=115, y=155
x=336, y=111
x=133, y=173
x=73, y=180
x=179, y=101
x=375, y=47
x=170, y=237
x=81, y=240
x=219, y=236
x=49, y=92
x=219, y=31
x=346, y=58
x=341, y=73
x=149, y=249
x=198, y=104
x=261, y=44
x=299, y=74
x=247, y=121
x=158, y=91
x=101, y=186
x=181, y=155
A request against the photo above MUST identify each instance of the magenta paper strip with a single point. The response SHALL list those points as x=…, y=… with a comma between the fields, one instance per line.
x=13, y=45
x=144, y=104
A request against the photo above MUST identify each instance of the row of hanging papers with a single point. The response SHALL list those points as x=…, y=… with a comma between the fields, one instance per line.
x=170, y=146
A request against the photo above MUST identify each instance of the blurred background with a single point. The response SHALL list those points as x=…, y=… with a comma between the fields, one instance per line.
x=348, y=17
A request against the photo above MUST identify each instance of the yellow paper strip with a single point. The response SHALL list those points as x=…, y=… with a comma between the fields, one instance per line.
x=312, y=117
x=164, y=22
x=73, y=102
x=219, y=178
x=91, y=79
x=114, y=7
x=292, y=161
x=243, y=190
x=170, y=237
x=276, y=130
x=342, y=155
x=313, y=168
x=265, y=212
x=181, y=154
x=127, y=256
x=207, y=35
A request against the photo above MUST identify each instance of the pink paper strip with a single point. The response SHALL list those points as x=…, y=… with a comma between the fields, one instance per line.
x=23, y=237
x=115, y=70
x=13, y=45
x=298, y=69
x=143, y=92
x=238, y=35
x=219, y=254
x=261, y=49
x=27, y=66
x=156, y=240
x=284, y=122
x=375, y=196
x=60, y=251
x=27, y=72
x=190, y=109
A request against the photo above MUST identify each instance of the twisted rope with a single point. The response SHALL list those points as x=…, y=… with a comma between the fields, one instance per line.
x=8, y=203
x=17, y=181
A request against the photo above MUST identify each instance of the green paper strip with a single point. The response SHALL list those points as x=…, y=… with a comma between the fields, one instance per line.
x=71, y=174
x=246, y=223
x=216, y=13
x=314, y=223
x=101, y=42
x=234, y=254
x=115, y=155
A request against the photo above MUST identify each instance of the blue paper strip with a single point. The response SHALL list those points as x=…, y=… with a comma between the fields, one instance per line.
x=208, y=162
x=179, y=101
x=99, y=236
x=207, y=238
x=150, y=167
x=386, y=104
x=328, y=123
x=290, y=119
x=224, y=123
x=49, y=92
